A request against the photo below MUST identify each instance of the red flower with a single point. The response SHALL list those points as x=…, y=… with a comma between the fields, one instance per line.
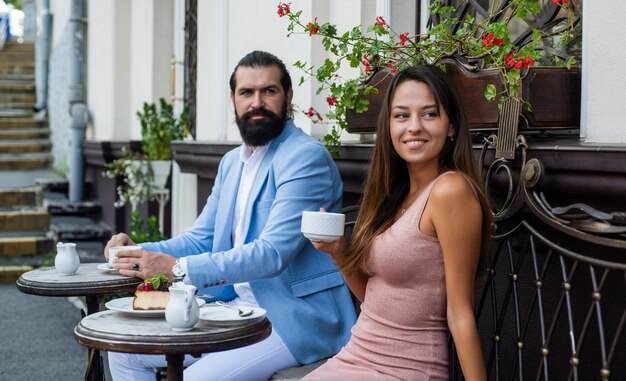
x=528, y=61
x=404, y=37
x=510, y=61
x=488, y=39
x=331, y=100
x=283, y=9
x=380, y=21
x=518, y=64
x=391, y=65
x=366, y=63
x=312, y=28
x=314, y=115
x=560, y=2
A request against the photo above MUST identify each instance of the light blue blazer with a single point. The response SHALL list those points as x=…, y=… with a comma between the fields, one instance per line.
x=304, y=294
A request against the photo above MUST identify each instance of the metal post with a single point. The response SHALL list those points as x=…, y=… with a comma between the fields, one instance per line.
x=43, y=56
x=77, y=109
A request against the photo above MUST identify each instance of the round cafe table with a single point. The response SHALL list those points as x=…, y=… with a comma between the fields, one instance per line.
x=120, y=332
x=88, y=281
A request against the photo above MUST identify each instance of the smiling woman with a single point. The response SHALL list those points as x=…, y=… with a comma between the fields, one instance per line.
x=423, y=207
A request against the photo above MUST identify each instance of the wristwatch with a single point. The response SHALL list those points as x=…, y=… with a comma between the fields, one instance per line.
x=178, y=272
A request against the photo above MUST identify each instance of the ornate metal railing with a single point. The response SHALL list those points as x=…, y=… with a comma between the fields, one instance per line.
x=553, y=303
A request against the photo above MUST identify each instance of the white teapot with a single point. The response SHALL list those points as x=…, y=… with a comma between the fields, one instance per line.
x=66, y=261
x=181, y=312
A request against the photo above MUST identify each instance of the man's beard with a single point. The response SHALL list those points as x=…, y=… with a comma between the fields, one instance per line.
x=257, y=133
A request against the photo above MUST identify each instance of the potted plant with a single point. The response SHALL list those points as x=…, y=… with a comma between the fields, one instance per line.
x=143, y=172
x=500, y=45
x=159, y=127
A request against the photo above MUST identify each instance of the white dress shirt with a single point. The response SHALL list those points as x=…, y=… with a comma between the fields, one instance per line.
x=251, y=164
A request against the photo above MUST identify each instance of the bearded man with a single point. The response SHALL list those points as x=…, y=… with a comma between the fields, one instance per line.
x=246, y=246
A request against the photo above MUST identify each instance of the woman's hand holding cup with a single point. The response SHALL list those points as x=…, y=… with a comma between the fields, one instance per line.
x=325, y=231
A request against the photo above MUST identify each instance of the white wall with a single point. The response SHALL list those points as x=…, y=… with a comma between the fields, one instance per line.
x=108, y=60
x=129, y=52
x=603, y=82
x=228, y=30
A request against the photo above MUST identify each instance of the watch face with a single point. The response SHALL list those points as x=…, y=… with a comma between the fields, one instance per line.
x=177, y=270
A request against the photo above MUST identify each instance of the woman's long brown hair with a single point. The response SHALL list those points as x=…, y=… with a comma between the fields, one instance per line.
x=387, y=182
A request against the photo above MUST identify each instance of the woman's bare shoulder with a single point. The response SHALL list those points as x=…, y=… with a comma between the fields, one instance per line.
x=452, y=187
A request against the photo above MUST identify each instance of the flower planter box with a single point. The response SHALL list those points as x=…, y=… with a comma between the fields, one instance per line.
x=553, y=92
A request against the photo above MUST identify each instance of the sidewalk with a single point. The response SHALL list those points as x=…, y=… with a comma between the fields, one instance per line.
x=37, y=338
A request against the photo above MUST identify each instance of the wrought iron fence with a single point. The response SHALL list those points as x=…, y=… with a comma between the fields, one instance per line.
x=553, y=303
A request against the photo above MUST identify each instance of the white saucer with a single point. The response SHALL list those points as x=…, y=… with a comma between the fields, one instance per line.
x=220, y=315
x=321, y=237
x=105, y=267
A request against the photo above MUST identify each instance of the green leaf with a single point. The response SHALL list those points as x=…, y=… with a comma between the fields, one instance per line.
x=491, y=92
x=361, y=105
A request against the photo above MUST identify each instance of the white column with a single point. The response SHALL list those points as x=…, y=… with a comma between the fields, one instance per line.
x=184, y=185
x=108, y=73
x=212, y=80
x=603, y=83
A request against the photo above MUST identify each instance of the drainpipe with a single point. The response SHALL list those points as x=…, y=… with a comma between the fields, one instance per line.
x=43, y=54
x=78, y=111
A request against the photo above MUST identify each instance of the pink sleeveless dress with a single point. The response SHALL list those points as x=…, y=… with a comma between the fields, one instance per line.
x=402, y=332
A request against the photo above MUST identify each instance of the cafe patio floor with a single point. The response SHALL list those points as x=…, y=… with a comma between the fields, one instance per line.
x=37, y=338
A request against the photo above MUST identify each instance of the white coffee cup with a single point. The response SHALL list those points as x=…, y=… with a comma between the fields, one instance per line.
x=115, y=249
x=322, y=226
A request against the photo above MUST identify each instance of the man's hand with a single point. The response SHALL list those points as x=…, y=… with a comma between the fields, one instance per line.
x=144, y=264
x=119, y=239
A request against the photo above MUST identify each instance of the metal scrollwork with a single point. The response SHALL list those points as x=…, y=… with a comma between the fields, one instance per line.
x=512, y=202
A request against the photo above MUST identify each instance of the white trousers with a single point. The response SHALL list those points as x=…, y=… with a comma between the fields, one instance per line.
x=251, y=363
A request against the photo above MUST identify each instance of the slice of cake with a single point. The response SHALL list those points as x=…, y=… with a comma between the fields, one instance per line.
x=152, y=294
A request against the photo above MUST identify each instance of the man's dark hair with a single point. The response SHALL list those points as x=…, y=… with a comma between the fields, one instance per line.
x=262, y=59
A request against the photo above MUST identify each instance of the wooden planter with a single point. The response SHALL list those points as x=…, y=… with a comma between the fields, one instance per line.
x=553, y=92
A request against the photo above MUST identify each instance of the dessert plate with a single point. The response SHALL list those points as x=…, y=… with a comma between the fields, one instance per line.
x=125, y=305
x=220, y=315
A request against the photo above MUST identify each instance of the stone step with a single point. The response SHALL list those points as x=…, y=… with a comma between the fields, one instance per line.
x=56, y=186
x=21, y=106
x=79, y=228
x=16, y=67
x=22, y=162
x=14, y=46
x=25, y=220
x=15, y=113
x=25, y=146
x=20, y=197
x=17, y=76
x=18, y=247
x=17, y=86
x=22, y=123
x=57, y=204
x=8, y=54
x=24, y=133
x=18, y=98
